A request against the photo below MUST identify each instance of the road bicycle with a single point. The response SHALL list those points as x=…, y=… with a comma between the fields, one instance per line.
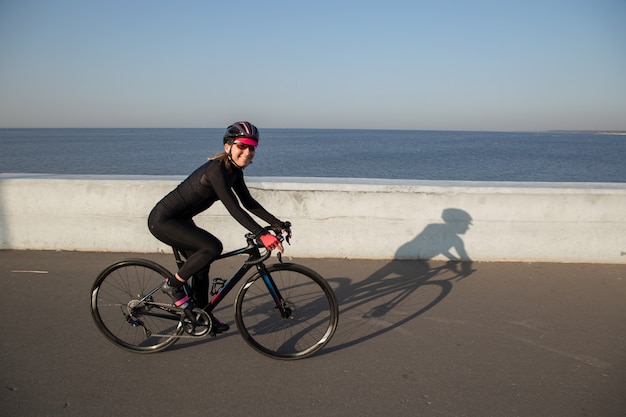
x=284, y=310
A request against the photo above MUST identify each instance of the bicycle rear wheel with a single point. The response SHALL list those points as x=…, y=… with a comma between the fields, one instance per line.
x=126, y=314
x=313, y=312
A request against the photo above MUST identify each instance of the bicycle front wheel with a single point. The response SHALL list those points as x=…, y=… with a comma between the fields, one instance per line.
x=130, y=309
x=306, y=297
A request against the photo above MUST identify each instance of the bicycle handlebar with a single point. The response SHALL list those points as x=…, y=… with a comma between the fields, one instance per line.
x=279, y=235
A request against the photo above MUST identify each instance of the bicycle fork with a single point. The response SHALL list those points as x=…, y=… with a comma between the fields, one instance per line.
x=281, y=304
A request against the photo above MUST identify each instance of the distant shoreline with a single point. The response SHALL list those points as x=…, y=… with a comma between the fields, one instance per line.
x=589, y=132
x=593, y=132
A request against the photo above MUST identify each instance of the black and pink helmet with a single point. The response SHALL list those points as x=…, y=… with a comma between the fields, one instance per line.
x=243, y=132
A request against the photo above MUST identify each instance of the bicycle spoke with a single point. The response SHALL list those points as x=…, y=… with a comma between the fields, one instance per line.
x=122, y=315
x=310, y=302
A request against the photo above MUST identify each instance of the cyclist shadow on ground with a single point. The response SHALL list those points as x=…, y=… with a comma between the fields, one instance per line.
x=407, y=286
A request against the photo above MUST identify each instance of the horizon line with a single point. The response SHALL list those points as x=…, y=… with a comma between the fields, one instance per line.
x=591, y=131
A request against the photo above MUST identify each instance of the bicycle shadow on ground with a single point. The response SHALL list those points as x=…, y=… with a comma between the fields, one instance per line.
x=406, y=287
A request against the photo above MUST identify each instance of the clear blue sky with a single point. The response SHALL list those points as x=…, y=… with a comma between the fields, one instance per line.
x=457, y=65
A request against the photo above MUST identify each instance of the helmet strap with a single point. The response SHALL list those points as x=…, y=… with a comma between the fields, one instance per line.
x=230, y=156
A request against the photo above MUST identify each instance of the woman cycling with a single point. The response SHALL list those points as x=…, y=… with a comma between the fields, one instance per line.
x=220, y=178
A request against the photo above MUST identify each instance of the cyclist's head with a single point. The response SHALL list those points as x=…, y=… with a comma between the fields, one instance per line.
x=242, y=132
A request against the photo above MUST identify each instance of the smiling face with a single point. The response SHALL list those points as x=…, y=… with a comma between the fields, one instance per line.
x=240, y=153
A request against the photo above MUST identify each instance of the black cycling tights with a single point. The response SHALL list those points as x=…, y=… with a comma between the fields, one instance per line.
x=200, y=246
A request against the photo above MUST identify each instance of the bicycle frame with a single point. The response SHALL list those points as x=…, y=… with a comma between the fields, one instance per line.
x=255, y=259
x=130, y=309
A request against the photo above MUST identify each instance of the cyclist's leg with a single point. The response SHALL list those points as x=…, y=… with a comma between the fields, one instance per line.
x=200, y=288
x=201, y=248
x=200, y=291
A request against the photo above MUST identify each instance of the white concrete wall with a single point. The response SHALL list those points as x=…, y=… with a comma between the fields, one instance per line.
x=355, y=218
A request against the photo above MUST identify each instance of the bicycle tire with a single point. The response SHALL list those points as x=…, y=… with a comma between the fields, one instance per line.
x=310, y=327
x=120, y=315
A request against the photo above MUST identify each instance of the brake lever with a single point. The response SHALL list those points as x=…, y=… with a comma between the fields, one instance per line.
x=285, y=238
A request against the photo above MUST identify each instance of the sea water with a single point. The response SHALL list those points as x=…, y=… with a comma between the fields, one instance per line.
x=344, y=153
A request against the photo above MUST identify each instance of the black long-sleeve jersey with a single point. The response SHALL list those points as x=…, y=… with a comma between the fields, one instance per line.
x=206, y=185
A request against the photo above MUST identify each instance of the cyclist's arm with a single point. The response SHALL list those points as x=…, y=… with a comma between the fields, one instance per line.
x=219, y=181
x=251, y=204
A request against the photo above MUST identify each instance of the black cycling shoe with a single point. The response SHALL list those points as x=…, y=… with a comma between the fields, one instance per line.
x=179, y=296
x=218, y=326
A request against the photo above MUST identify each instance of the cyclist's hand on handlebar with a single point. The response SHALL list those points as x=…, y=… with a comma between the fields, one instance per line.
x=271, y=242
x=283, y=228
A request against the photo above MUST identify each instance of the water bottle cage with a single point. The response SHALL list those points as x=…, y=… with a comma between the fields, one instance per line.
x=216, y=285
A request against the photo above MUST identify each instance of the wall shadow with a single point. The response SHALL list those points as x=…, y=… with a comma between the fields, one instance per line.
x=406, y=287
x=440, y=238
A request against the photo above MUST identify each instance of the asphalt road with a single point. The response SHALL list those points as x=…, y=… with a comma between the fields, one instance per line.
x=414, y=339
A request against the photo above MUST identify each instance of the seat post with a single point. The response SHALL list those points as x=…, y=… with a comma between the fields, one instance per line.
x=179, y=259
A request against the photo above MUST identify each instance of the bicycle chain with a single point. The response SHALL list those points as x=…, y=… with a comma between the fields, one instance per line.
x=182, y=336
